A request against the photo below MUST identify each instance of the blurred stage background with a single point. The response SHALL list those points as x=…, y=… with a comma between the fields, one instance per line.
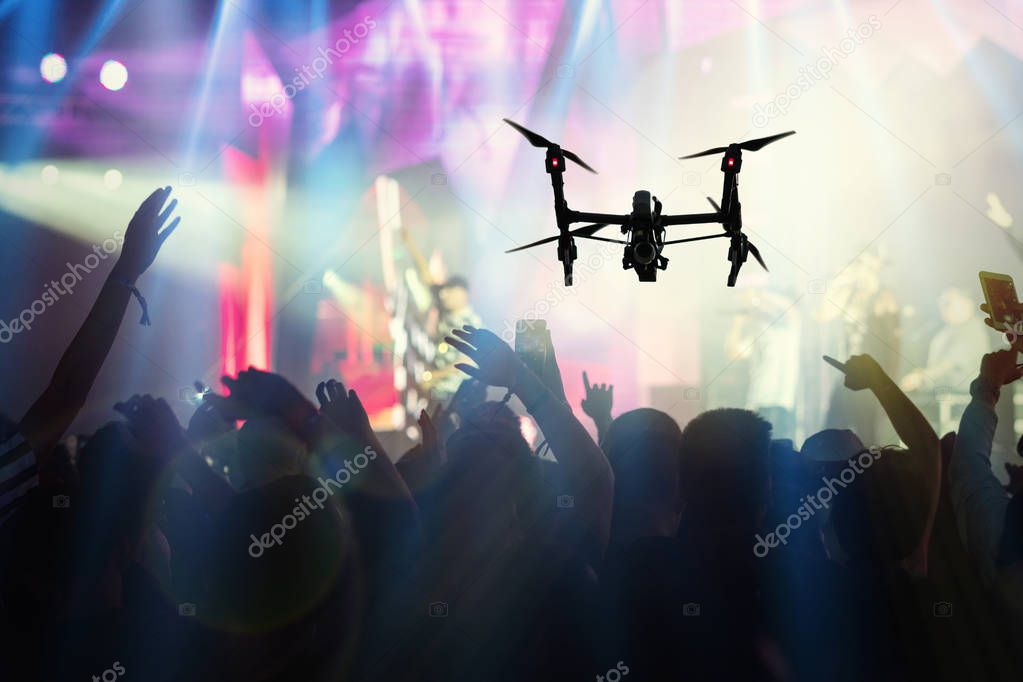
x=901, y=183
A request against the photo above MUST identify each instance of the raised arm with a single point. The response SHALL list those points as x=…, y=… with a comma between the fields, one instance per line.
x=978, y=498
x=52, y=413
x=862, y=371
x=585, y=467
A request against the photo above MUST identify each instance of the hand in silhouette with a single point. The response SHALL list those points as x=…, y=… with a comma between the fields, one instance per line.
x=143, y=238
x=599, y=399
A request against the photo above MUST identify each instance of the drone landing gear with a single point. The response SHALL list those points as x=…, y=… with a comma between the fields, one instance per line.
x=737, y=256
x=739, y=249
x=567, y=254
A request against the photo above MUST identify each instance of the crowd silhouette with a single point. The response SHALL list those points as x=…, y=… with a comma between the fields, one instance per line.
x=653, y=553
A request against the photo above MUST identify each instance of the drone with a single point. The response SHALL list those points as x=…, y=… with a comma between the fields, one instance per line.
x=645, y=226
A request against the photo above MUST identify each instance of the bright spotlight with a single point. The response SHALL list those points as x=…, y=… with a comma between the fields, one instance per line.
x=112, y=178
x=49, y=174
x=53, y=68
x=113, y=75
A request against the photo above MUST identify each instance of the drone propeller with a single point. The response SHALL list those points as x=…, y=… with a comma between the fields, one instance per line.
x=714, y=204
x=586, y=231
x=748, y=145
x=538, y=140
x=756, y=254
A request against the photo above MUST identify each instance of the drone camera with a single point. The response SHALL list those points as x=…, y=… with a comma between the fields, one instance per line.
x=645, y=253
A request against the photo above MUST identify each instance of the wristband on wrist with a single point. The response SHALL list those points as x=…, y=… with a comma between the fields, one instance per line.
x=144, y=321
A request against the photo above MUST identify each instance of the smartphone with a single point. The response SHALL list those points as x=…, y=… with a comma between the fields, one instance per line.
x=532, y=339
x=834, y=363
x=1000, y=296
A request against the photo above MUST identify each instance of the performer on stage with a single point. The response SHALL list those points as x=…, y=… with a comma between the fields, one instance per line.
x=450, y=309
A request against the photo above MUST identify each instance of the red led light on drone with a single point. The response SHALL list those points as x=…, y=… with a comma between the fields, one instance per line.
x=554, y=162
x=731, y=162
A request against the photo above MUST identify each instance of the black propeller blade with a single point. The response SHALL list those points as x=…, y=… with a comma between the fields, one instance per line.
x=572, y=156
x=585, y=231
x=538, y=140
x=714, y=204
x=756, y=254
x=755, y=145
x=547, y=240
x=737, y=252
x=715, y=150
x=535, y=139
x=748, y=145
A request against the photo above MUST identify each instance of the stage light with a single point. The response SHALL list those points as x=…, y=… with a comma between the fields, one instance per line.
x=49, y=174
x=113, y=75
x=112, y=178
x=53, y=68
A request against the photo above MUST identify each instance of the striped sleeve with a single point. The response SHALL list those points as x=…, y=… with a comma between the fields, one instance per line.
x=18, y=474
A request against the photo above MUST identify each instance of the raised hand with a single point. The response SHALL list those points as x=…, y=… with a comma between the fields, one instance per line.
x=599, y=399
x=433, y=449
x=153, y=423
x=1000, y=367
x=862, y=371
x=267, y=393
x=143, y=238
x=214, y=416
x=496, y=362
x=344, y=410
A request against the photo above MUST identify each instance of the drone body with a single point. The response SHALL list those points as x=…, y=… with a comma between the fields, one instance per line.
x=645, y=225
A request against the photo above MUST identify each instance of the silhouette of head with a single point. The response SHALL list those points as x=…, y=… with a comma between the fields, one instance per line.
x=880, y=516
x=486, y=480
x=726, y=468
x=644, y=449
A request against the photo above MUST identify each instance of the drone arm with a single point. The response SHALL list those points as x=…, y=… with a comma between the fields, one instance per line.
x=691, y=219
x=608, y=218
